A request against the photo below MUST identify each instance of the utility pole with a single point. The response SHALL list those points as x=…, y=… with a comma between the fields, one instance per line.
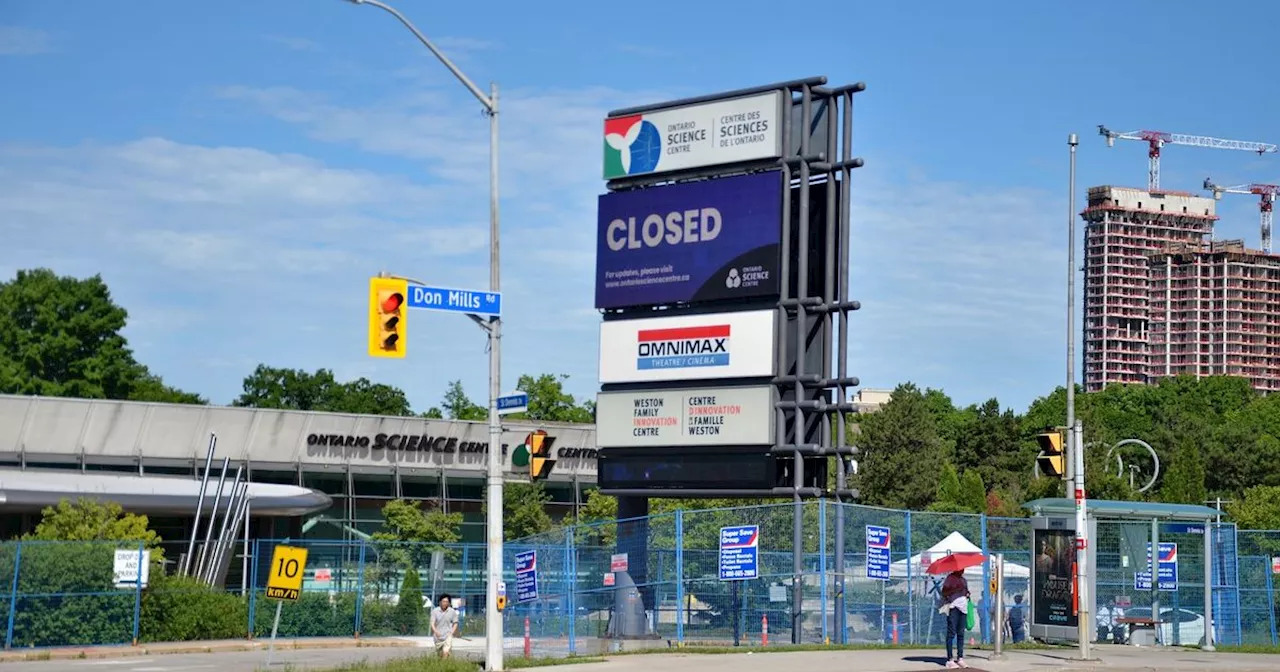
x=1083, y=605
x=1072, y=142
x=492, y=326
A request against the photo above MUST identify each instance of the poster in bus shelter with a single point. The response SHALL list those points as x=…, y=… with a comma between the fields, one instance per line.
x=1051, y=578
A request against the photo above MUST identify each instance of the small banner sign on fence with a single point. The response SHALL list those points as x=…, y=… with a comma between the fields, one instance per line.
x=609, y=579
x=1166, y=570
x=878, y=539
x=526, y=576
x=618, y=562
x=284, y=582
x=739, y=552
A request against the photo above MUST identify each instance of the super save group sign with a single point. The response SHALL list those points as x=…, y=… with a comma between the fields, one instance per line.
x=699, y=241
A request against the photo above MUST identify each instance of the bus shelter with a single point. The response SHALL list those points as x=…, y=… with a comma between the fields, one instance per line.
x=1129, y=604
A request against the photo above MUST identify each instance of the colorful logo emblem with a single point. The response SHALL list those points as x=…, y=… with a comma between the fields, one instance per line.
x=683, y=347
x=632, y=146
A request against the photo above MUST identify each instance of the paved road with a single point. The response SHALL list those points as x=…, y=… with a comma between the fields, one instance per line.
x=1113, y=659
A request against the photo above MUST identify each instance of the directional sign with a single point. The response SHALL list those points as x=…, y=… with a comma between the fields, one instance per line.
x=1182, y=528
x=878, y=552
x=456, y=300
x=516, y=402
x=739, y=552
x=284, y=578
x=526, y=576
x=1167, y=570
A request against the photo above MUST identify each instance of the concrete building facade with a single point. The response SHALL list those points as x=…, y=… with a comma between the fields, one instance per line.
x=314, y=475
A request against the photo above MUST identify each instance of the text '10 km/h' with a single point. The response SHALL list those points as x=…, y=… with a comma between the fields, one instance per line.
x=284, y=581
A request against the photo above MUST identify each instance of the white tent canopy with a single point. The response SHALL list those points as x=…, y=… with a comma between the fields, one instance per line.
x=953, y=543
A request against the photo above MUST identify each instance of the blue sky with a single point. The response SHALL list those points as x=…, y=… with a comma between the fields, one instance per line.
x=236, y=170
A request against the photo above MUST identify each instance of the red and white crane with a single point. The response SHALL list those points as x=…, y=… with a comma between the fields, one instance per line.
x=1266, y=191
x=1157, y=139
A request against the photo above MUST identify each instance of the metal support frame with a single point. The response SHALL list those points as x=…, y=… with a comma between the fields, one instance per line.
x=195, y=524
x=810, y=318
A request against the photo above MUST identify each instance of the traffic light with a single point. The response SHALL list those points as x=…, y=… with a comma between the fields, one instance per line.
x=1051, y=460
x=387, y=311
x=540, y=462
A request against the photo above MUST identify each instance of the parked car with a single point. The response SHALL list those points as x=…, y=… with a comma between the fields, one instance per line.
x=1190, y=625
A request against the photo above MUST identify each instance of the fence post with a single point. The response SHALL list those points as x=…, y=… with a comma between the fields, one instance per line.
x=822, y=567
x=13, y=597
x=680, y=608
x=911, y=591
x=1271, y=600
x=466, y=572
x=253, y=587
x=360, y=588
x=986, y=581
x=571, y=586
x=137, y=590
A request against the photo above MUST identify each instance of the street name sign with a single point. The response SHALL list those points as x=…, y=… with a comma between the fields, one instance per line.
x=449, y=300
x=516, y=402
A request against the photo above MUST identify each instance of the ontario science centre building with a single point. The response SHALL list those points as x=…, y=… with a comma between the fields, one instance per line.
x=312, y=476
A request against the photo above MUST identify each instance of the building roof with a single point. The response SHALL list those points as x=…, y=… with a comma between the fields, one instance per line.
x=32, y=490
x=1106, y=508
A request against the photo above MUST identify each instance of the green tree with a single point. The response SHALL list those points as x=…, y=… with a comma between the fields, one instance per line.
x=1184, y=478
x=88, y=519
x=433, y=413
x=901, y=452
x=992, y=444
x=597, y=517
x=410, y=534
x=1257, y=509
x=60, y=337
x=295, y=389
x=409, y=611
x=549, y=402
x=459, y=406
x=524, y=510
x=948, y=485
x=973, y=493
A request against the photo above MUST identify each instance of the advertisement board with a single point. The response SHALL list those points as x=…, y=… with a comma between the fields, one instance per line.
x=1052, y=578
x=684, y=243
x=719, y=416
x=693, y=136
x=692, y=347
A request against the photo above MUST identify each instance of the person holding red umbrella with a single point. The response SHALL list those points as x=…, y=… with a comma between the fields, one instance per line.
x=955, y=600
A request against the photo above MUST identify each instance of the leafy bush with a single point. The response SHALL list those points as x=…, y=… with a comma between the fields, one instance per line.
x=181, y=609
x=409, y=611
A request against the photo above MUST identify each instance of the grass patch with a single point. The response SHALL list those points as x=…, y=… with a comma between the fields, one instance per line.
x=1249, y=648
x=517, y=662
x=720, y=649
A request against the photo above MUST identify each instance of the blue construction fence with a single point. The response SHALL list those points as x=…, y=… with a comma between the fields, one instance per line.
x=72, y=593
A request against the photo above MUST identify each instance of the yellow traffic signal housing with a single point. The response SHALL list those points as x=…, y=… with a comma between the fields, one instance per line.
x=1051, y=460
x=387, y=312
x=540, y=462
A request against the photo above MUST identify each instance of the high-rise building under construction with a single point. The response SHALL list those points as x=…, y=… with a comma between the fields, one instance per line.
x=1123, y=228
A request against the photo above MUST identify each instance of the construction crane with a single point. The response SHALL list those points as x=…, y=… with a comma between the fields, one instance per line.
x=1267, y=192
x=1157, y=139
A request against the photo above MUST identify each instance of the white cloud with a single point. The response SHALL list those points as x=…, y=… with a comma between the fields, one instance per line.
x=21, y=41
x=960, y=285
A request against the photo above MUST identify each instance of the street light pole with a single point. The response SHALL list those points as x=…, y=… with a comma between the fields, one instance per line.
x=492, y=326
x=1069, y=460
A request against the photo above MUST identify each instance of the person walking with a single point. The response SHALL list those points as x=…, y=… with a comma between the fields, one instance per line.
x=444, y=625
x=955, y=603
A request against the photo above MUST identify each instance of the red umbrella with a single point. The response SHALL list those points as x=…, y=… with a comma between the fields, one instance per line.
x=956, y=562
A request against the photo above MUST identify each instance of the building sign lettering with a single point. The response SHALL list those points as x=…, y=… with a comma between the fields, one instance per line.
x=422, y=443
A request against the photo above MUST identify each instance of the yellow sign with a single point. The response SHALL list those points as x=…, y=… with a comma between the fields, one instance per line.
x=387, y=313
x=284, y=580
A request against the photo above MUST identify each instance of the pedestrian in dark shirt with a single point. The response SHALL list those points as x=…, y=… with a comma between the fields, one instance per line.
x=1017, y=621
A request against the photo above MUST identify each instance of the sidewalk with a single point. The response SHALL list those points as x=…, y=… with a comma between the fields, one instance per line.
x=1125, y=659
x=214, y=646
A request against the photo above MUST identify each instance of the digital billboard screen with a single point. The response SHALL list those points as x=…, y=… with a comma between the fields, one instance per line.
x=1051, y=582
x=689, y=243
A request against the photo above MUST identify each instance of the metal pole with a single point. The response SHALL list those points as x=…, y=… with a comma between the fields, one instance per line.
x=275, y=625
x=998, y=653
x=1072, y=142
x=213, y=518
x=204, y=484
x=244, y=563
x=1153, y=556
x=1082, y=545
x=233, y=504
x=1209, y=635
x=493, y=522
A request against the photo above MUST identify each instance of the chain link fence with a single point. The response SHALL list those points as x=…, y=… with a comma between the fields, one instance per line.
x=656, y=578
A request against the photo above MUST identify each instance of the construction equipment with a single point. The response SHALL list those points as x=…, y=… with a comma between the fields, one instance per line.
x=1267, y=192
x=1157, y=139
